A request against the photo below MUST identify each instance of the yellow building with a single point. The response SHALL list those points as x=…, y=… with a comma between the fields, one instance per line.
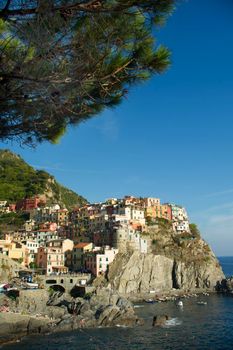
x=78, y=254
x=14, y=250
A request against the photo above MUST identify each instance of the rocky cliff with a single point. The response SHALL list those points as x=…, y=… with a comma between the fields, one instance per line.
x=181, y=262
x=8, y=268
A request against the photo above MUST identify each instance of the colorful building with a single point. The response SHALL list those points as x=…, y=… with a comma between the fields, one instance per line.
x=52, y=257
x=78, y=255
x=97, y=261
x=28, y=204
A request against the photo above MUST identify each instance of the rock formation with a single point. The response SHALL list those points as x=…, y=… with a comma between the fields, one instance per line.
x=40, y=311
x=8, y=268
x=225, y=286
x=181, y=262
x=160, y=320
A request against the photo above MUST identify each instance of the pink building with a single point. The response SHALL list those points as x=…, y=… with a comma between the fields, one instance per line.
x=52, y=257
x=97, y=261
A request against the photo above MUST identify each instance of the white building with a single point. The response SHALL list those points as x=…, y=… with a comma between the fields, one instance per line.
x=132, y=212
x=183, y=226
x=32, y=249
x=179, y=213
x=127, y=238
x=97, y=262
x=180, y=220
x=151, y=202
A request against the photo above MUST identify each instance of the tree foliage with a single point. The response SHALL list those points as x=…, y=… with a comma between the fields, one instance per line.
x=11, y=221
x=194, y=230
x=19, y=180
x=63, y=62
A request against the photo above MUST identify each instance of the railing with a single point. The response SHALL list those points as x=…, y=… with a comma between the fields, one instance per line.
x=75, y=274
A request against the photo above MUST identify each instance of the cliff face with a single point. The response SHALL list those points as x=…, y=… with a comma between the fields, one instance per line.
x=8, y=268
x=173, y=263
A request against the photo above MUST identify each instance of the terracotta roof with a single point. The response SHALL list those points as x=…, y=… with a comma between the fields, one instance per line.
x=81, y=245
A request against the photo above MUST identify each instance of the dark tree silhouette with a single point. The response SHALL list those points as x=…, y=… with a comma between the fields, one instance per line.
x=63, y=62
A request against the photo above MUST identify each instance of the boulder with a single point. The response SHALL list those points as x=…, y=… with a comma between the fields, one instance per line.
x=55, y=312
x=225, y=286
x=160, y=320
x=106, y=317
x=37, y=326
x=14, y=325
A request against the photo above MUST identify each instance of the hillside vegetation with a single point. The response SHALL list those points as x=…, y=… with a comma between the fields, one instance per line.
x=19, y=180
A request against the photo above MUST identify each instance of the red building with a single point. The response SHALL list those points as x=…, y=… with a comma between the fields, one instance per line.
x=12, y=207
x=28, y=204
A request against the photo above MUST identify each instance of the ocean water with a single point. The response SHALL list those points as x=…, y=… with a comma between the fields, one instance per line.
x=227, y=265
x=197, y=327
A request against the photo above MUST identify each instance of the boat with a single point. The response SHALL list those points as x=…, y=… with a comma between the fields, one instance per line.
x=180, y=303
x=4, y=287
x=32, y=285
x=202, y=302
x=149, y=301
x=137, y=306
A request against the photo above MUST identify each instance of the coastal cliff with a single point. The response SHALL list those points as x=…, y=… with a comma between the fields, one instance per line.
x=174, y=262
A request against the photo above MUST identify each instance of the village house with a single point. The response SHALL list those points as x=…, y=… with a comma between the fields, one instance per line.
x=42, y=236
x=180, y=221
x=4, y=208
x=32, y=249
x=163, y=211
x=28, y=204
x=52, y=256
x=45, y=214
x=151, y=202
x=97, y=222
x=3, y=204
x=97, y=261
x=14, y=250
x=127, y=238
x=29, y=225
x=78, y=254
x=182, y=226
x=132, y=212
x=61, y=217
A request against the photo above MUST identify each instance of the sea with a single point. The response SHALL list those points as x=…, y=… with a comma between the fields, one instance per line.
x=195, y=326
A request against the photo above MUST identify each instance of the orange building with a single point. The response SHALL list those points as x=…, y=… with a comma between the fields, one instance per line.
x=159, y=211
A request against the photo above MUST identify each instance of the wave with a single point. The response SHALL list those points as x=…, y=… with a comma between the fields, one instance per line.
x=173, y=322
x=138, y=306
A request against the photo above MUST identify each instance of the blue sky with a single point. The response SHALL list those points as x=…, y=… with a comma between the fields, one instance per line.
x=172, y=136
